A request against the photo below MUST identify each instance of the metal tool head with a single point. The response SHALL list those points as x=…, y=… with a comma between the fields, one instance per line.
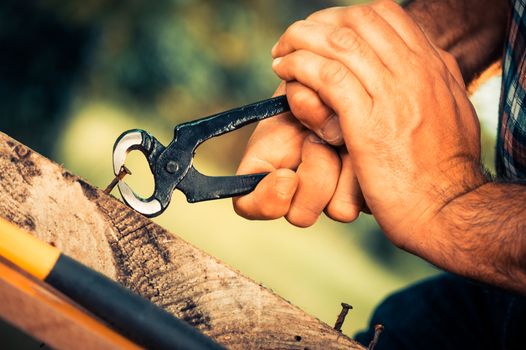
x=172, y=167
x=142, y=141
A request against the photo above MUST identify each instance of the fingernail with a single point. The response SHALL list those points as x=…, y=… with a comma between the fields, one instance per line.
x=284, y=186
x=331, y=131
x=275, y=62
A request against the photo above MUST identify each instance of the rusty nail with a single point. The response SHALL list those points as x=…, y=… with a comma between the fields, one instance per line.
x=377, y=331
x=21, y=151
x=122, y=173
x=341, y=317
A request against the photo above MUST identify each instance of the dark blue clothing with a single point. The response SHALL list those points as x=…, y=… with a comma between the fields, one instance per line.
x=449, y=312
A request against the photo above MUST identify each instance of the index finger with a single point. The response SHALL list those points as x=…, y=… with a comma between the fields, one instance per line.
x=392, y=13
x=275, y=147
x=275, y=143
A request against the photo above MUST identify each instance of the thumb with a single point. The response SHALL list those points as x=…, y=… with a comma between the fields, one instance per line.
x=271, y=198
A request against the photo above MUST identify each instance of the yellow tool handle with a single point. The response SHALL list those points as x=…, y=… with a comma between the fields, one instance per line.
x=128, y=313
x=26, y=251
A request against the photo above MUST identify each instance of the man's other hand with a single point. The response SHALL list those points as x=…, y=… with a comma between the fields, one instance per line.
x=408, y=125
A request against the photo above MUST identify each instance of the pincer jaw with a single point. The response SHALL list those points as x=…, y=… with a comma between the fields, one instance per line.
x=149, y=207
x=142, y=141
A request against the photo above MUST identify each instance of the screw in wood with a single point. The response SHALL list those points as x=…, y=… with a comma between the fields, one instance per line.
x=377, y=331
x=341, y=317
x=122, y=173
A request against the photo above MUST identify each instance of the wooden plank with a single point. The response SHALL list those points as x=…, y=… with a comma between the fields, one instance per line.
x=98, y=230
x=39, y=310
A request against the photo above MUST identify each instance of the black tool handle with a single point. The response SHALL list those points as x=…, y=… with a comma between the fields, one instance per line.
x=198, y=187
x=197, y=131
x=128, y=313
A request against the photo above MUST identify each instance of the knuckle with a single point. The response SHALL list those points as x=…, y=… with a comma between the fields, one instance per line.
x=438, y=65
x=419, y=68
x=318, y=15
x=333, y=73
x=301, y=221
x=296, y=28
x=387, y=4
x=344, y=39
x=302, y=103
x=363, y=12
x=343, y=211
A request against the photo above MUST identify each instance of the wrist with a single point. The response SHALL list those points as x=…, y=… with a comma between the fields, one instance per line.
x=479, y=235
x=464, y=180
x=445, y=217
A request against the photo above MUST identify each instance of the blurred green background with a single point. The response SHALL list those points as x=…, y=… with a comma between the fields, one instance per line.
x=74, y=75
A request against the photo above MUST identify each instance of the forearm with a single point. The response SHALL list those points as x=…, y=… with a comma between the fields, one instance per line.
x=482, y=235
x=471, y=30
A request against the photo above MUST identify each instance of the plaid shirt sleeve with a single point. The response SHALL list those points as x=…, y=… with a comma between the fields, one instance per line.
x=511, y=137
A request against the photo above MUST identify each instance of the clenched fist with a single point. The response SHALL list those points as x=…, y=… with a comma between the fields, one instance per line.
x=366, y=77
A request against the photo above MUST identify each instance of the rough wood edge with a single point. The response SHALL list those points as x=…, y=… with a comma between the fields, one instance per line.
x=103, y=233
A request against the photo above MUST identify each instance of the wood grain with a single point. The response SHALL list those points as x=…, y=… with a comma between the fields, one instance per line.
x=100, y=231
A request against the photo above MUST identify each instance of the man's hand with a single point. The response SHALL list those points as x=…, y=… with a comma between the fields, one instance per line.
x=410, y=130
x=406, y=120
x=304, y=169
